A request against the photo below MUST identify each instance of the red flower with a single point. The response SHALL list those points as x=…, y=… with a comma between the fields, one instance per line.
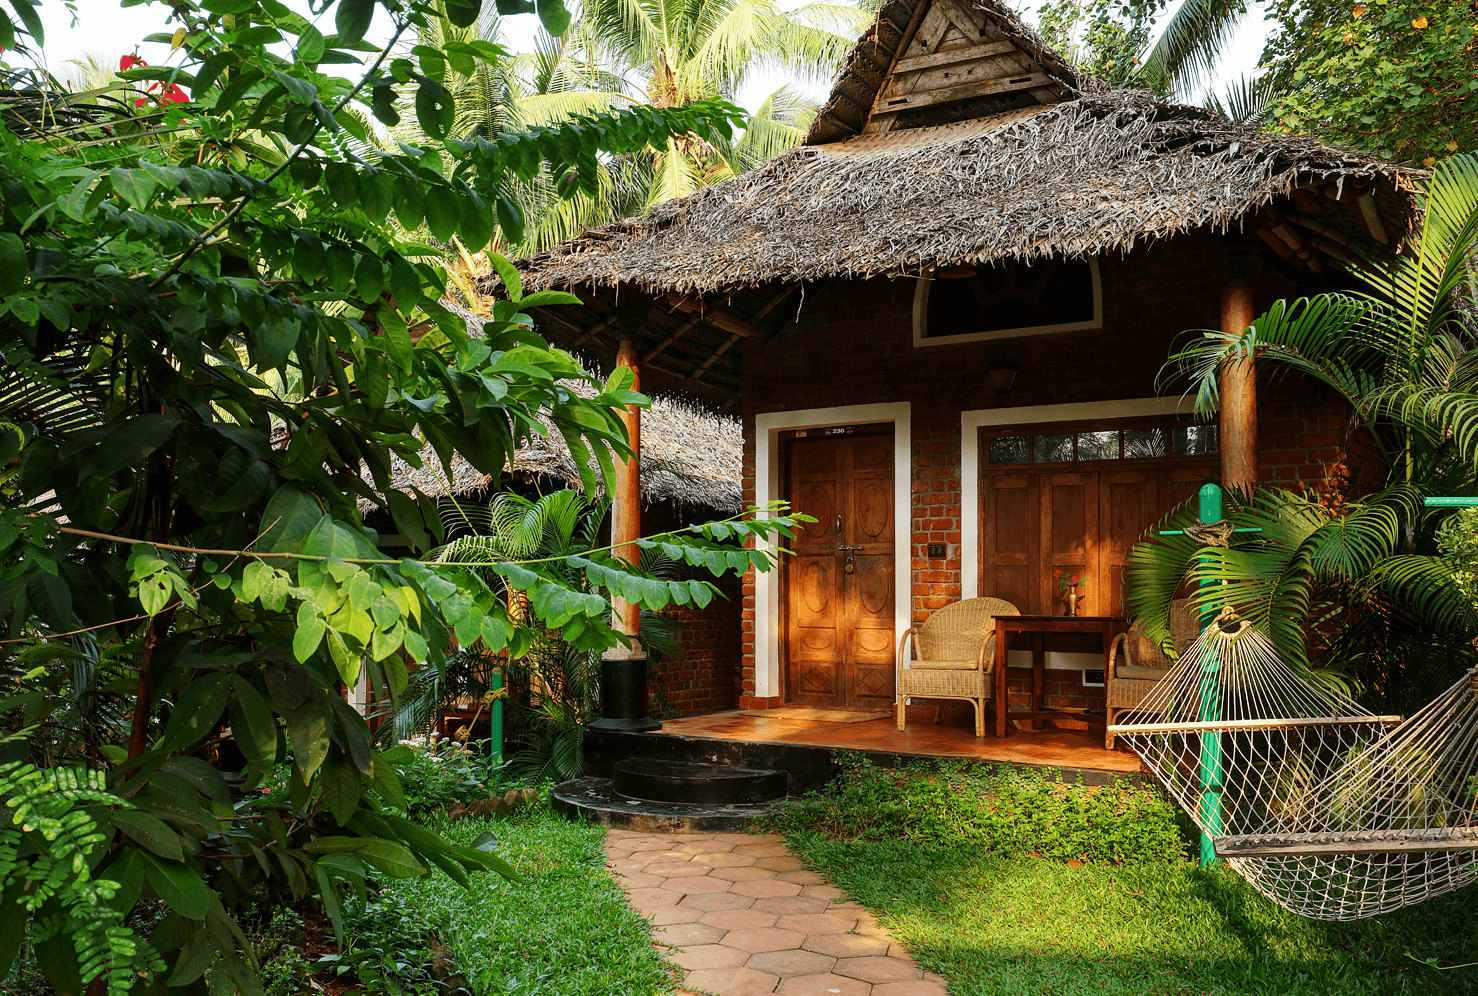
x=170, y=94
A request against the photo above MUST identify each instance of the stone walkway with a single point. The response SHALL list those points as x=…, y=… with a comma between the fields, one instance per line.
x=740, y=915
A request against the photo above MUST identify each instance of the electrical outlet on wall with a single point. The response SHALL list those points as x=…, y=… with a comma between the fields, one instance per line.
x=936, y=551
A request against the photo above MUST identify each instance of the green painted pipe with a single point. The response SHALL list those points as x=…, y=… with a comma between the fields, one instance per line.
x=1211, y=770
x=495, y=715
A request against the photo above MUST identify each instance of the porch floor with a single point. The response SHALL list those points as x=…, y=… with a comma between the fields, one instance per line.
x=1050, y=747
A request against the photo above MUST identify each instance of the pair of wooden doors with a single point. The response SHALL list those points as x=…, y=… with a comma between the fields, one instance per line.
x=1083, y=522
x=838, y=601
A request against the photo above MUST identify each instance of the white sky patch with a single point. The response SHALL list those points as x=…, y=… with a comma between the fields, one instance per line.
x=105, y=30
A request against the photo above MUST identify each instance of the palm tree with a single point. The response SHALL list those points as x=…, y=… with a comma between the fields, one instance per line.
x=1357, y=582
x=680, y=51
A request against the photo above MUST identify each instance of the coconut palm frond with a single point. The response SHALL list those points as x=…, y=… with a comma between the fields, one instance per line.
x=1192, y=41
x=1245, y=101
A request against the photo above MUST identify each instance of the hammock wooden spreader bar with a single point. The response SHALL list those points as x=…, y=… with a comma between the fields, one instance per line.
x=1233, y=725
x=1295, y=845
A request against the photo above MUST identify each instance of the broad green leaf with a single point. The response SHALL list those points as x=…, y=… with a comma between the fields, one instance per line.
x=393, y=859
x=307, y=732
x=252, y=724
x=309, y=632
x=554, y=16
x=310, y=44
x=196, y=712
x=136, y=186
x=340, y=789
x=179, y=886
x=13, y=266
x=151, y=832
x=289, y=518
x=352, y=19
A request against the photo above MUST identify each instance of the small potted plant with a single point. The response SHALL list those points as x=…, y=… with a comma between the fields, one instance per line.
x=1067, y=587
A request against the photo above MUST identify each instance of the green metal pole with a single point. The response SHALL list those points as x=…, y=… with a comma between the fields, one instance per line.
x=1211, y=771
x=495, y=715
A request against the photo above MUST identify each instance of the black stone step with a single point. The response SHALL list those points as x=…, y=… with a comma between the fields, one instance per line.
x=653, y=779
x=595, y=800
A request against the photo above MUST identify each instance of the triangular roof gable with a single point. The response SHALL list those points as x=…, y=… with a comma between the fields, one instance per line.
x=932, y=62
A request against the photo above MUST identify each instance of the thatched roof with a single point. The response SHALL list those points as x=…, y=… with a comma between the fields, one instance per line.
x=1098, y=174
x=689, y=456
x=953, y=136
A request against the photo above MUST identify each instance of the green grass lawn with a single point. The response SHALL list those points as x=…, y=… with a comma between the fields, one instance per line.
x=1023, y=927
x=565, y=930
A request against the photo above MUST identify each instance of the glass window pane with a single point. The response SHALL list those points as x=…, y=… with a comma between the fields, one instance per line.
x=1055, y=449
x=1193, y=440
x=1141, y=444
x=1009, y=449
x=1098, y=445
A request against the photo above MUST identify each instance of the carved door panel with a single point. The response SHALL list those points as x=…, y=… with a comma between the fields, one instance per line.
x=838, y=623
x=867, y=527
x=814, y=599
x=1129, y=504
x=1008, y=529
x=1069, y=539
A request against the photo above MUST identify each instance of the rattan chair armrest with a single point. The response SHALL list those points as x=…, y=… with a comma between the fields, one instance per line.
x=1121, y=640
x=911, y=631
x=987, y=658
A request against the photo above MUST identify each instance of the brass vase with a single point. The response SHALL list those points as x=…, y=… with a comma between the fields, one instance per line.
x=1072, y=603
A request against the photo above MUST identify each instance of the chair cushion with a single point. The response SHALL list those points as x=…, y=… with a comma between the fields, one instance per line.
x=1141, y=673
x=942, y=665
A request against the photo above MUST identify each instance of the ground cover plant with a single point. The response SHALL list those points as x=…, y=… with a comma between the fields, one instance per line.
x=565, y=929
x=1000, y=900
x=998, y=809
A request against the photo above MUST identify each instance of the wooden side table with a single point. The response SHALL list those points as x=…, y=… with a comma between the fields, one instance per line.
x=1008, y=626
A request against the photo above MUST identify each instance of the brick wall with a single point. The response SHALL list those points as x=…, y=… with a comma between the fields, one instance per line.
x=704, y=677
x=853, y=345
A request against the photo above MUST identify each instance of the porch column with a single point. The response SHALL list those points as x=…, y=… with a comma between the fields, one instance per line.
x=623, y=671
x=1238, y=385
x=626, y=498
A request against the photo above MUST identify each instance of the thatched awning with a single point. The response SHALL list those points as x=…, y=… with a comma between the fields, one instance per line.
x=1103, y=173
x=689, y=456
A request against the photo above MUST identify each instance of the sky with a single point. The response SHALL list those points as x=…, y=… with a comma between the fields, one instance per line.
x=106, y=30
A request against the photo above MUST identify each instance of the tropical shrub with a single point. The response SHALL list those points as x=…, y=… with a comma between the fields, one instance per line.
x=1353, y=583
x=1000, y=809
x=213, y=340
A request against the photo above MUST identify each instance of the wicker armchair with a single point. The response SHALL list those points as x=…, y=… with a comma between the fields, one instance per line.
x=1136, y=665
x=953, y=656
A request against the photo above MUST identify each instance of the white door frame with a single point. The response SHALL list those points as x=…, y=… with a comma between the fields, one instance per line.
x=768, y=681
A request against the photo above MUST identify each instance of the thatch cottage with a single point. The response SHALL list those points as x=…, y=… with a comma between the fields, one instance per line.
x=942, y=317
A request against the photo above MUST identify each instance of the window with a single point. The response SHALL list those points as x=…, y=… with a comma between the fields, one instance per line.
x=1098, y=445
x=1006, y=300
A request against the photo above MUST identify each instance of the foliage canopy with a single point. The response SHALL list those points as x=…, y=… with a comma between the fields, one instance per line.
x=213, y=339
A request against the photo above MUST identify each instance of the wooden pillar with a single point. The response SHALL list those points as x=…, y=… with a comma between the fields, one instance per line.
x=626, y=498
x=1238, y=385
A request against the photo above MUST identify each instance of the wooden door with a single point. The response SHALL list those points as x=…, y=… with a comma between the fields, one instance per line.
x=1009, y=524
x=867, y=526
x=838, y=633
x=1129, y=504
x=1069, y=539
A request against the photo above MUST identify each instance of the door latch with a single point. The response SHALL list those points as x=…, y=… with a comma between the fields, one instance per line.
x=849, y=566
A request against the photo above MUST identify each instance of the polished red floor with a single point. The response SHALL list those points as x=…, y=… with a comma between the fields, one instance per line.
x=1066, y=748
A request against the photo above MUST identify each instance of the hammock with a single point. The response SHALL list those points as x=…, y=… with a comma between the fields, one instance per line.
x=1329, y=810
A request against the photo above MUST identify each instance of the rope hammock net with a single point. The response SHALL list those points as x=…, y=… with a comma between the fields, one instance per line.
x=1327, y=809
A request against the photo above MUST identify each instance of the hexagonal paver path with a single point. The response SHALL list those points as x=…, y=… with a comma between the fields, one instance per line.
x=738, y=914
